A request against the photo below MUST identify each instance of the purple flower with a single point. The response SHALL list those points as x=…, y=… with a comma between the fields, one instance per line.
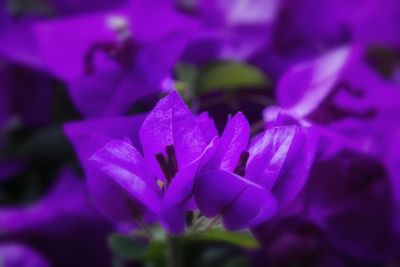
x=63, y=216
x=16, y=255
x=334, y=87
x=345, y=197
x=90, y=136
x=288, y=240
x=129, y=56
x=232, y=30
x=358, y=108
x=246, y=184
x=348, y=196
x=155, y=175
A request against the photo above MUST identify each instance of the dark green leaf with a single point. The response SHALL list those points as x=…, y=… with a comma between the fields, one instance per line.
x=241, y=239
x=126, y=247
x=186, y=72
x=230, y=76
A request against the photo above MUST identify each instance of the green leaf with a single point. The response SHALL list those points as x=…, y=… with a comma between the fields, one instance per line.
x=131, y=248
x=29, y=6
x=47, y=145
x=223, y=257
x=186, y=72
x=230, y=76
x=126, y=247
x=155, y=254
x=241, y=239
x=186, y=75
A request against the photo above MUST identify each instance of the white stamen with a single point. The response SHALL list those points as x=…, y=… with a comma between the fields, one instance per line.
x=117, y=22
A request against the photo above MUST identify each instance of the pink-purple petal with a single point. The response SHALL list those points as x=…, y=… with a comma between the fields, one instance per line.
x=179, y=195
x=234, y=141
x=124, y=164
x=171, y=123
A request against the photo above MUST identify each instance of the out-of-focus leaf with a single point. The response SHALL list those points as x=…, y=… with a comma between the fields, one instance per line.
x=186, y=72
x=213, y=257
x=48, y=144
x=240, y=261
x=230, y=76
x=126, y=247
x=223, y=257
x=118, y=263
x=186, y=76
x=241, y=239
x=29, y=6
x=131, y=248
x=155, y=254
x=181, y=86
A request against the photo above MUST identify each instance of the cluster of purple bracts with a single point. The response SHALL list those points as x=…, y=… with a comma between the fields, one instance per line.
x=178, y=163
x=319, y=185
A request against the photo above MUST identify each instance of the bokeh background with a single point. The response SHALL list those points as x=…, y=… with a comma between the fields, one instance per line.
x=329, y=64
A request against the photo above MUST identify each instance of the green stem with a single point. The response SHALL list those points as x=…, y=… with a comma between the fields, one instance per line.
x=175, y=253
x=211, y=224
x=143, y=225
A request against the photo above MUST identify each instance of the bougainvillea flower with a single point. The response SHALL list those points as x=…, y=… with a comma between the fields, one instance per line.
x=336, y=86
x=233, y=30
x=158, y=173
x=345, y=197
x=64, y=215
x=90, y=136
x=126, y=58
x=18, y=41
x=380, y=136
x=339, y=90
x=246, y=184
x=348, y=195
x=288, y=240
x=17, y=255
x=230, y=30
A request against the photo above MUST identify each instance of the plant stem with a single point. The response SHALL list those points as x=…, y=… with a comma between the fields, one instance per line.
x=143, y=225
x=211, y=224
x=174, y=252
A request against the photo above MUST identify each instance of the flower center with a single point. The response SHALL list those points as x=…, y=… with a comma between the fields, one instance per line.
x=122, y=52
x=241, y=166
x=168, y=163
x=329, y=111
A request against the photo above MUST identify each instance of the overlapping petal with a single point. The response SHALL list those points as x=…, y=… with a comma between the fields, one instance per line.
x=234, y=141
x=91, y=136
x=177, y=198
x=171, y=123
x=122, y=163
x=240, y=202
